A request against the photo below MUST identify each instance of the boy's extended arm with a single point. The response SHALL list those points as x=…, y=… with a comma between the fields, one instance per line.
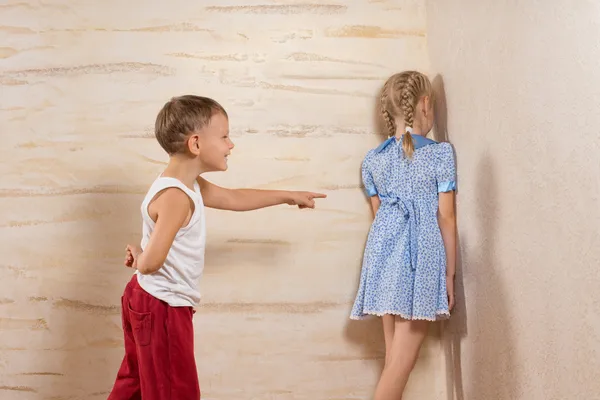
x=252, y=199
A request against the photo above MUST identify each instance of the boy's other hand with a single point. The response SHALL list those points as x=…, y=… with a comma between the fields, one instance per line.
x=131, y=255
x=304, y=199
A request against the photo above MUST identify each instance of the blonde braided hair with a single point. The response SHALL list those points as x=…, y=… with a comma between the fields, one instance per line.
x=399, y=97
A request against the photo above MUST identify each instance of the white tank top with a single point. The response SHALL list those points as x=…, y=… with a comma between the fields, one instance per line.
x=177, y=281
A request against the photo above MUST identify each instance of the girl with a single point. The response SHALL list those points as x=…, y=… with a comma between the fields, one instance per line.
x=407, y=276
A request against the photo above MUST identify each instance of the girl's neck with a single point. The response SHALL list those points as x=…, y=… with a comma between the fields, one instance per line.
x=401, y=132
x=183, y=168
x=401, y=129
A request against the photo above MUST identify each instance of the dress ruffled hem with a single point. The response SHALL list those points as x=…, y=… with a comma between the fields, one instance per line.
x=439, y=315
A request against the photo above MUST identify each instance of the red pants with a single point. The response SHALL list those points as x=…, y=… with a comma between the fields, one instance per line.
x=159, y=359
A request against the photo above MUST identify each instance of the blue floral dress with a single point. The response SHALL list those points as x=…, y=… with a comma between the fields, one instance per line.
x=404, y=263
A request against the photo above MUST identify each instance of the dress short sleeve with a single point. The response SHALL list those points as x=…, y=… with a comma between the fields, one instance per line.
x=367, y=178
x=446, y=169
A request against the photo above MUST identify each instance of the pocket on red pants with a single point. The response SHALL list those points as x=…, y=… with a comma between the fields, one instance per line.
x=141, y=325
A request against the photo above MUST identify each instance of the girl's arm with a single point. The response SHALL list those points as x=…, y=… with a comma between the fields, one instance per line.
x=447, y=223
x=375, y=203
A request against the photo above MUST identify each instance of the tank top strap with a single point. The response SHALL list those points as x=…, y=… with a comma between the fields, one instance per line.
x=161, y=183
x=197, y=188
x=165, y=182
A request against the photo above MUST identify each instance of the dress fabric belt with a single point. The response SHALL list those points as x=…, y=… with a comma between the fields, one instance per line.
x=408, y=210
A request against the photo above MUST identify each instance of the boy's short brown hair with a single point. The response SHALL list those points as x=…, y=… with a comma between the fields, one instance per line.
x=181, y=116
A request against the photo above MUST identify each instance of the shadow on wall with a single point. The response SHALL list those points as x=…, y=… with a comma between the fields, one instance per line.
x=367, y=334
x=440, y=123
x=106, y=278
x=453, y=330
x=490, y=346
x=492, y=353
x=86, y=336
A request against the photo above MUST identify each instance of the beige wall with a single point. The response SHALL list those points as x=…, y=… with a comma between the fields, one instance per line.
x=77, y=102
x=81, y=85
x=522, y=89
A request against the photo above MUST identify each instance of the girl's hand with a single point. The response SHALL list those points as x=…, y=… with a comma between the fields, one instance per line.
x=131, y=255
x=304, y=199
x=450, y=290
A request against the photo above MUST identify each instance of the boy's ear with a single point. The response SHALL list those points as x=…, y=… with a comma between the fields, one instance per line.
x=193, y=144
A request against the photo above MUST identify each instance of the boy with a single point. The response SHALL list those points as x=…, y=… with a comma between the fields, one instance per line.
x=157, y=303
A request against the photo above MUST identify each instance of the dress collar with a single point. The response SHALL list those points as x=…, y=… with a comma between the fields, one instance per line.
x=418, y=140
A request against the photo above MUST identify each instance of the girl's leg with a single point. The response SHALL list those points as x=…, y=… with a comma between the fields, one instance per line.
x=388, y=334
x=407, y=341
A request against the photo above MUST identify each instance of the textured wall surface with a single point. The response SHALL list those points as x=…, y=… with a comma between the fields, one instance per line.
x=81, y=83
x=523, y=93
